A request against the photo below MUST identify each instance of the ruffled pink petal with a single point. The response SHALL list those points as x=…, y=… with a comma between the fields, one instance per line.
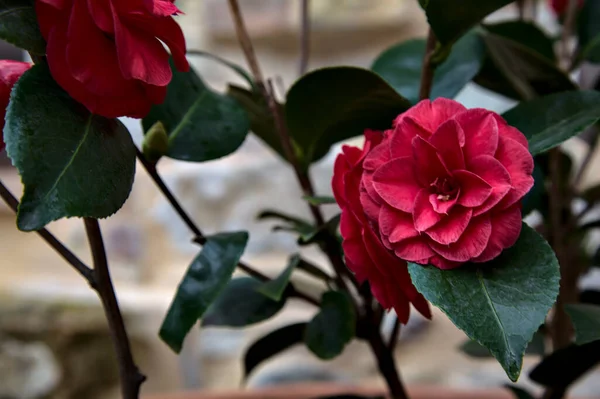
x=519, y=163
x=442, y=206
x=102, y=15
x=357, y=258
x=424, y=216
x=474, y=191
x=509, y=132
x=428, y=166
x=379, y=154
x=481, y=132
x=396, y=184
x=431, y=114
x=406, y=128
x=451, y=227
x=396, y=225
x=141, y=56
x=370, y=206
x=413, y=249
x=340, y=168
x=448, y=140
x=496, y=175
x=162, y=8
x=506, y=228
x=471, y=244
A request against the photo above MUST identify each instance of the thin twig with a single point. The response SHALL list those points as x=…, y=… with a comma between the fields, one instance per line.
x=332, y=252
x=428, y=67
x=130, y=376
x=199, y=237
x=304, y=35
x=85, y=271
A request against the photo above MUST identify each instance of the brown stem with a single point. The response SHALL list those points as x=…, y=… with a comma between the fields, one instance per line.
x=63, y=251
x=304, y=35
x=567, y=30
x=199, y=237
x=395, y=334
x=521, y=4
x=428, y=68
x=130, y=376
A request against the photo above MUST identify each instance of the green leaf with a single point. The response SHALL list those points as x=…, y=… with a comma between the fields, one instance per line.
x=329, y=105
x=401, y=67
x=322, y=233
x=202, y=124
x=261, y=119
x=588, y=28
x=519, y=393
x=293, y=223
x=550, y=120
x=272, y=344
x=517, y=71
x=450, y=22
x=241, y=304
x=579, y=360
x=333, y=327
x=19, y=26
x=537, y=346
x=586, y=320
x=319, y=200
x=313, y=270
x=72, y=163
x=527, y=34
x=591, y=52
x=234, y=67
x=204, y=280
x=499, y=304
x=275, y=288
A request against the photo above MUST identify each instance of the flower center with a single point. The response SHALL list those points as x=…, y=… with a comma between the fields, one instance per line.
x=445, y=188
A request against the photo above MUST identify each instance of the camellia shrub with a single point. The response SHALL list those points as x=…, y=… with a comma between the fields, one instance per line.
x=432, y=203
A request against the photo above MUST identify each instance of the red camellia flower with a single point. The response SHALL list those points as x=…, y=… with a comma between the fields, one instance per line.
x=365, y=255
x=109, y=54
x=560, y=6
x=10, y=72
x=443, y=187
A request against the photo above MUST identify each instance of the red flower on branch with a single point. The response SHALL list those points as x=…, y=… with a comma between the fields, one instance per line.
x=109, y=54
x=443, y=187
x=10, y=72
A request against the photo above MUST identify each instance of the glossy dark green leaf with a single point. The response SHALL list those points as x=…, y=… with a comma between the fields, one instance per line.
x=333, y=327
x=450, y=22
x=588, y=28
x=519, y=393
x=499, y=304
x=537, y=347
x=586, y=320
x=329, y=105
x=319, y=200
x=261, y=119
x=550, y=120
x=401, y=66
x=202, y=124
x=272, y=344
x=19, y=26
x=517, y=71
x=204, y=280
x=473, y=349
x=72, y=163
x=322, y=233
x=553, y=372
x=275, y=288
x=591, y=52
x=527, y=34
x=313, y=270
x=240, y=304
x=292, y=223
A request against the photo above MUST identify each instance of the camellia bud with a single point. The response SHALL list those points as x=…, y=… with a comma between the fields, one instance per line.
x=156, y=142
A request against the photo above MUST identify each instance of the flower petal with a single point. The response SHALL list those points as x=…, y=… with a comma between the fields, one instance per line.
x=473, y=189
x=451, y=227
x=481, y=132
x=443, y=207
x=396, y=184
x=424, y=216
x=519, y=163
x=471, y=244
x=428, y=166
x=413, y=249
x=496, y=175
x=509, y=132
x=448, y=140
x=506, y=227
x=396, y=225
